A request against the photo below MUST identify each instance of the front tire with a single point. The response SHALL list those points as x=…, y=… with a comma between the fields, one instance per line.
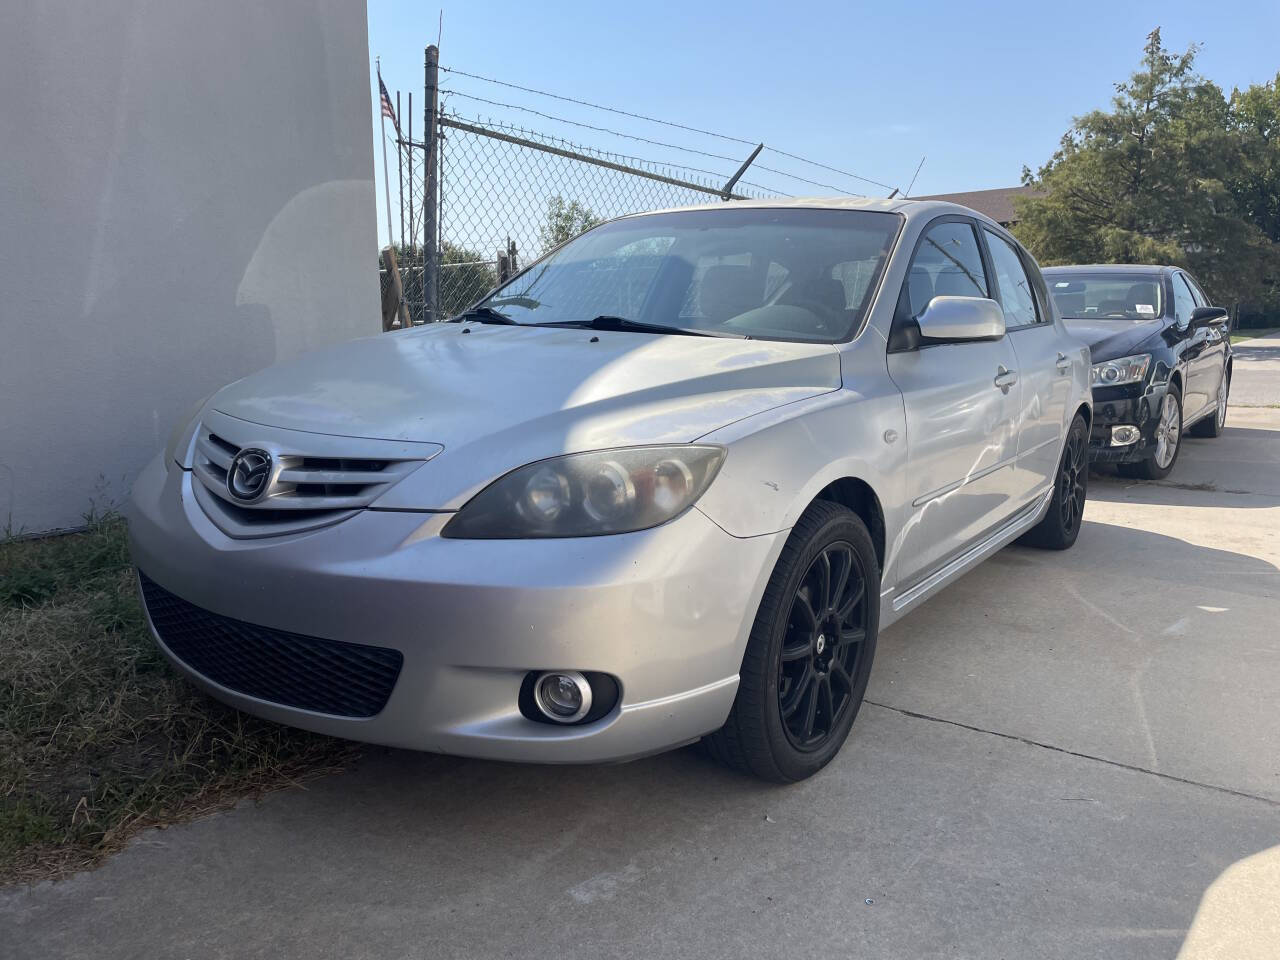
x=1059, y=528
x=809, y=655
x=1168, y=441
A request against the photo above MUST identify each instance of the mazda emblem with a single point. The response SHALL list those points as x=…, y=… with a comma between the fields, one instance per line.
x=249, y=476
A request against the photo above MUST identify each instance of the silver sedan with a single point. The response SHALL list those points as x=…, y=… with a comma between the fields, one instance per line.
x=666, y=484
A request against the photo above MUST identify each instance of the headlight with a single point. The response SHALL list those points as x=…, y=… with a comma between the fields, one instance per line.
x=1112, y=373
x=589, y=494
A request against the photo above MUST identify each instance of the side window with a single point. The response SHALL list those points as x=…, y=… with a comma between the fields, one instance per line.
x=1016, y=295
x=1183, y=302
x=1196, y=293
x=948, y=263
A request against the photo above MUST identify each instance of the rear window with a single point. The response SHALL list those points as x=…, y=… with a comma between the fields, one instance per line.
x=1136, y=296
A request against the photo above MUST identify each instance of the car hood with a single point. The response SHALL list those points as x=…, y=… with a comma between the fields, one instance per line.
x=1109, y=339
x=497, y=397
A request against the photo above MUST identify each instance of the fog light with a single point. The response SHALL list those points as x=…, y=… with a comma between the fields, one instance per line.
x=1123, y=436
x=564, y=696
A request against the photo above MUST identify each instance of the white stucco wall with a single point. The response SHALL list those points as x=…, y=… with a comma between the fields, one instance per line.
x=186, y=196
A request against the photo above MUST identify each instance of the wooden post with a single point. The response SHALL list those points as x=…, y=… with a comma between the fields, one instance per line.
x=393, y=306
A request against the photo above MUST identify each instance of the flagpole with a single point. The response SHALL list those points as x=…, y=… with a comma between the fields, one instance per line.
x=386, y=180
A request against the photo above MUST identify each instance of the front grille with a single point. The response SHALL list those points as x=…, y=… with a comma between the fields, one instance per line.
x=310, y=673
x=304, y=491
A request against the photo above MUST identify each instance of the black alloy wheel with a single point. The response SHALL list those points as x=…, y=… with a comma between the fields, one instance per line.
x=824, y=639
x=1060, y=526
x=809, y=655
x=1073, y=478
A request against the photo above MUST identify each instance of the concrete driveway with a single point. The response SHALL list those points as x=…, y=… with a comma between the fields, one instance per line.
x=1063, y=755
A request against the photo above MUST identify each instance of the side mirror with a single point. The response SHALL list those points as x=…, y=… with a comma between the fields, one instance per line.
x=1208, y=317
x=961, y=319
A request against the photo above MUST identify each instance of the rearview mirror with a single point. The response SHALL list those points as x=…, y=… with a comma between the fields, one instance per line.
x=959, y=319
x=1207, y=317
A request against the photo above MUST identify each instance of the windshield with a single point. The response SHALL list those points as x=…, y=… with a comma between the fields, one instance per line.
x=1117, y=296
x=783, y=274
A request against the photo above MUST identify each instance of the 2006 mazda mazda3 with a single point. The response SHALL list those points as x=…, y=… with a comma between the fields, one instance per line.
x=668, y=483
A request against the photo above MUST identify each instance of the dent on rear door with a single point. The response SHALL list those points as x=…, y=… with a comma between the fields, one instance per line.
x=1046, y=392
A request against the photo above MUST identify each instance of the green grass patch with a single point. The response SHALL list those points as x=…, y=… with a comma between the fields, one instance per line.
x=1238, y=335
x=99, y=737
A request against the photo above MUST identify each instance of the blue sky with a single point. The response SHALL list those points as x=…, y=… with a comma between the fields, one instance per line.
x=981, y=89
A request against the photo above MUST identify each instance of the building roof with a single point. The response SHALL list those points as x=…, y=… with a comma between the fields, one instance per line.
x=996, y=204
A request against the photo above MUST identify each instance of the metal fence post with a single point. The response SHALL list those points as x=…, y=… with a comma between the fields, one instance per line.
x=430, y=208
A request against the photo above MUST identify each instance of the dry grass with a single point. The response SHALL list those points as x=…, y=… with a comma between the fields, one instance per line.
x=99, y=738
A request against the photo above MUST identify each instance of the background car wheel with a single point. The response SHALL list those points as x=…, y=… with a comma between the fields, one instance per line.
x=1061, y=525
x=809, y=655
x=1212, y=426
x=1168, y=440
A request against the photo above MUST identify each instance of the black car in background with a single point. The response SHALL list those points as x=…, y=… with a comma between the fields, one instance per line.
x=1161, y=360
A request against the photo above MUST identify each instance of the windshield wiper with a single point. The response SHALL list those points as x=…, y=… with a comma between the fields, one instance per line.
x=484, y=315
x=610, y=322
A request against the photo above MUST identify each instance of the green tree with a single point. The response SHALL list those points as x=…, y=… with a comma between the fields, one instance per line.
x=465, y=277
x=565, y=220
x=1255, y=184
x=1151, y=181
x=1255, y=118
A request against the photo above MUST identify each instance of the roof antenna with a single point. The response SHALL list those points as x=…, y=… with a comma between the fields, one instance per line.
x=892, y=195
x=726, y=192
x=916, y=174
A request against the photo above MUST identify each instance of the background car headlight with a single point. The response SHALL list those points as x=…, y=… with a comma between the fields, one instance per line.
x=1112, y=373
x=589, y=494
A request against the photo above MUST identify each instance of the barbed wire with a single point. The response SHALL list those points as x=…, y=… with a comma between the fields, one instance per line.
x=654, y=165
x=597, y=106
x=656, y=143
x=678, y=126
x=588, y=126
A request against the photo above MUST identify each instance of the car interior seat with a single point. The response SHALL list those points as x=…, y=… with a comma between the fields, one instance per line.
x=727, y=290
x=1141, y=293
x=919, y=289
x=954, y=282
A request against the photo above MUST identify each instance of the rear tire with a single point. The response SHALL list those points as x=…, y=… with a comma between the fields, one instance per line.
x=1170, y=423
x=1061, y=525
x=809, y=655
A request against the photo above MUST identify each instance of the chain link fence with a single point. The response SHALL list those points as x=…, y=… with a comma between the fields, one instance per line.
x=506, y=195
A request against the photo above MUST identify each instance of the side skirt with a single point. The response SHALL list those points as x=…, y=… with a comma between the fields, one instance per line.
x=895, y=607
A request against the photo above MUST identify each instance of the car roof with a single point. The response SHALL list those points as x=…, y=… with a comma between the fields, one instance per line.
x=1126, y=268
x=911, y=209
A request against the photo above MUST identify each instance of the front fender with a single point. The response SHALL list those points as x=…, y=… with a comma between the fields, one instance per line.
x=780, y=460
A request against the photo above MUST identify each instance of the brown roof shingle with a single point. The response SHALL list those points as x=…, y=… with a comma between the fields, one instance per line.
x=996, y=204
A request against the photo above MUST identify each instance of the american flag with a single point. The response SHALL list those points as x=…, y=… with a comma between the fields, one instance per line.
x=388, y=109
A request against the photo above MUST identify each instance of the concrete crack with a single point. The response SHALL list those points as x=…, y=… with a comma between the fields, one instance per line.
x=1075, y=753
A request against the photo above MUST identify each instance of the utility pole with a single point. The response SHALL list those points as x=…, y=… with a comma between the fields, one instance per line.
x=430, y=211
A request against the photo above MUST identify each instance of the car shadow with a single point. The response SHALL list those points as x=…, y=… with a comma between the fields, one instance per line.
x=1223, y=489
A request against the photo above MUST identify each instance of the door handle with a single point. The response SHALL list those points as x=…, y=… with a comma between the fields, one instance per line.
x=1005, y=378
x=1064, y=363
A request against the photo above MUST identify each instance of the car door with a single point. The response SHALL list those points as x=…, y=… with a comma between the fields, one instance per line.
x=1199, y=381
x=1044, y=368
x=1213, y=355
x=961, y=401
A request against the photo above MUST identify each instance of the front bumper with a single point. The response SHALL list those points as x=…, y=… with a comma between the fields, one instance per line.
x=665, y=611
x=1139, y=411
